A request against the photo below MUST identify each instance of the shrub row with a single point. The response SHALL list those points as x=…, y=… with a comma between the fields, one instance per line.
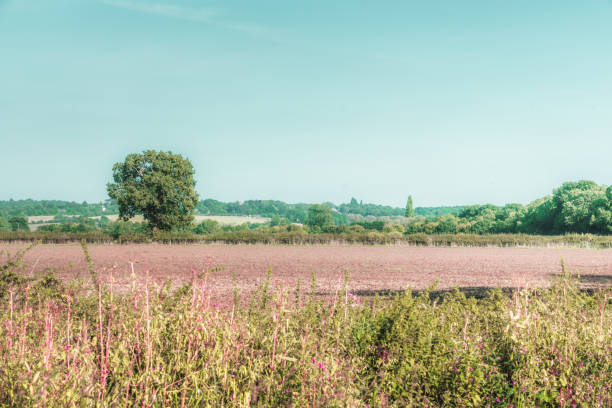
x=303, y=238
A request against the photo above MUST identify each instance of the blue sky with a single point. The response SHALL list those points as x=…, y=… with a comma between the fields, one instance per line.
x=454, y=102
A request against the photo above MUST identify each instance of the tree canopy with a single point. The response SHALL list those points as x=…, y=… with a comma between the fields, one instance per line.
x=409, y=208
x=158, y=185
x=319, y=215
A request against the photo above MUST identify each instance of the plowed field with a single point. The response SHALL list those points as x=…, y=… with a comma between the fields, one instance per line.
x=372, y=268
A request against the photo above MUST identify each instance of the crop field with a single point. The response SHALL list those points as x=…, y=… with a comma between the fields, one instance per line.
x=239, y=336
x=372, y=269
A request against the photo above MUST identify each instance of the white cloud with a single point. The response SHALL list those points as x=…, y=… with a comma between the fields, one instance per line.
x=202, y=15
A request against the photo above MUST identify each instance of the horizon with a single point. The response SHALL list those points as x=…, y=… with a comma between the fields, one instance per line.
x=451, y=103
x=242, y=201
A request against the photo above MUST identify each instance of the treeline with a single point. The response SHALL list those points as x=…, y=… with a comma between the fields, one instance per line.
x=26, y=208
x=296, y=213
x=59, y=223
x=575, y=207
x=582, y=207
x=301, y=237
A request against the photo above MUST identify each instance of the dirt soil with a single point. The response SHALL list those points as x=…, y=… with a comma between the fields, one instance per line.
x=372, y=269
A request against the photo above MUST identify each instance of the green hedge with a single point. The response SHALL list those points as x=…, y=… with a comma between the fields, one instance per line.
x=303, y=238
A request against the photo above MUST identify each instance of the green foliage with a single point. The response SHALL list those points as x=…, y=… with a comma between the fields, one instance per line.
x=575, y=205
x=265, y=208
x=18, y=223
x=207, y=227
x=371, y=225
x=158, y=185
x=579, y=207
x=4, y=224
x=409, y=208
x=447, y=224
x=278, y=221
x=55, y=207
x=125, y=229
x=320, y=216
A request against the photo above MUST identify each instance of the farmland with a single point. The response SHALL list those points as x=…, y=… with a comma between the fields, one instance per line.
x=36, y=221
x=236, y=336
x=372, y=269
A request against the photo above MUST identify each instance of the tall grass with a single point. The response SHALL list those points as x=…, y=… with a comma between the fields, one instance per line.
x=83, y=344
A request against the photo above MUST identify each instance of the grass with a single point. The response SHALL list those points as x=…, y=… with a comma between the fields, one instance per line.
x=82, y=344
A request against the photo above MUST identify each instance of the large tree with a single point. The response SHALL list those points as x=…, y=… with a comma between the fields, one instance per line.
x=158, y=185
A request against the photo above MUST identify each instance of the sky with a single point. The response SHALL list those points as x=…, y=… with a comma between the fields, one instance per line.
x=453, y=102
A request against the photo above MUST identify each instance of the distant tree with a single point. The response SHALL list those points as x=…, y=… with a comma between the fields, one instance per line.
x=574, y=204
x=158, y=185
x=4, y=224
x=319, y=215
x=409, y=208
x=447, y=224
x=19, y=223
x=277, y=221
x=207, y=226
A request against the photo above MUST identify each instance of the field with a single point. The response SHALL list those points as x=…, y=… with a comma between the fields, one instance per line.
x=221, y=219
x=372, y=269
x=38, y=221
x=262, y=342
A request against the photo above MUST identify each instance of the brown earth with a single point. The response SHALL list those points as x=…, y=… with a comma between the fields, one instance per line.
x=372, y=268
